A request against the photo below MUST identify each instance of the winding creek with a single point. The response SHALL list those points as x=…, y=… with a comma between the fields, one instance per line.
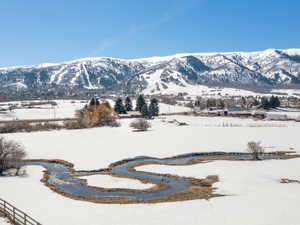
x=63, y=179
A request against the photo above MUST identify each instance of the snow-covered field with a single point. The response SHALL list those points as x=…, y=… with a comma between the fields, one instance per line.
x=289, y=114
x=289, y=92
x=64, y=109
x=205, y=91
x=254, y=194
x=107, y=181
x=194, y=90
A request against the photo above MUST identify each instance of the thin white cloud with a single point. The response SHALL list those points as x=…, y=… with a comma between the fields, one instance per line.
x=168, y=16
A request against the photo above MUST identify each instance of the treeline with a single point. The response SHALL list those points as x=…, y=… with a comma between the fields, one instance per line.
x=244, y=102
x=269, y=103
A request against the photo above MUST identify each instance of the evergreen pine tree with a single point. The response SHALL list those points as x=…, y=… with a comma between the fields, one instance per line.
x=145, y=111
x=119, y=107
x=243, y=100
x=276, y=102
x=255, y=102
x=243, y=103
x=140, y=103
x=153, y=108
x=93, y=101
x=197, y=103
x=271, y=102
x=128, y=104
x=265, y=103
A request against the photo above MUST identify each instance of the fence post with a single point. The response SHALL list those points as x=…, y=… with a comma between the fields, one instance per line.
x=14, y=215
x=5, y=207
x=25, y=219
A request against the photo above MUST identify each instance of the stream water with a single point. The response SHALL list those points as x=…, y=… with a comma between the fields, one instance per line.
x=64, y=179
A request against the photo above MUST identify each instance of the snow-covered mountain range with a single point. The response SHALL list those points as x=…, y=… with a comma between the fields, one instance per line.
x=272, y=67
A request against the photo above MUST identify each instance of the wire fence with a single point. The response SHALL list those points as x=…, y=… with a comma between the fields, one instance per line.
x=15, y=215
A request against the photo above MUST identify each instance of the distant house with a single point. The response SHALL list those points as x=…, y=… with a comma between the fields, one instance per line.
x=216, y=111
x=223, y=111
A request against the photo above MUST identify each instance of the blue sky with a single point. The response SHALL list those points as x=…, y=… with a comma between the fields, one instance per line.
x=35, y=31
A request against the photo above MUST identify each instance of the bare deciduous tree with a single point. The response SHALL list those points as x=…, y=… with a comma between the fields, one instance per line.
x=140, y=124
x=255, y=149
x=11, y=155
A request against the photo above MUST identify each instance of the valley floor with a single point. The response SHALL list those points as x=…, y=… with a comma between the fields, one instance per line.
x=254, y=194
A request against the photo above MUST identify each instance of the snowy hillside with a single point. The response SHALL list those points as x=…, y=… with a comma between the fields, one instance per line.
x=176, y=73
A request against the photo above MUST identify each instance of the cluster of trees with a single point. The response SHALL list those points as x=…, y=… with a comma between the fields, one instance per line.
x=272, y=102
x=148, y=111
x=204, y=103
x=11, y=155
x=101, y=114
x=120, y=108
x=245, y=102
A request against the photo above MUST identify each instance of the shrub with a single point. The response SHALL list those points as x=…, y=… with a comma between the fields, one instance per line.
x=115, y=123
x=97, y=115
x=77, y=124
x=45, y=126
x=11, y=155
x=20, y=126
x=15, y=126
x=140, y=124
